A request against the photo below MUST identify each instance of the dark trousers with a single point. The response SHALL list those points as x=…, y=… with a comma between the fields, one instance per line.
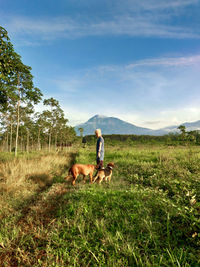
x=99, y=164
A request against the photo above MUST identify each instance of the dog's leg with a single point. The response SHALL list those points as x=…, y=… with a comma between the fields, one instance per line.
x=109, y=178
x=101, y=178
x=95, y=178
x=106, y=179
x=74, y=180
x=91, y=177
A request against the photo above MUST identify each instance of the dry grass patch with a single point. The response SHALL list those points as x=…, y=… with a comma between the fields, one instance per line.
x=22, y=178
x=31, y=190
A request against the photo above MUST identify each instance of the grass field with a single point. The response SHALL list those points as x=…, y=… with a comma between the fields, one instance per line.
x=149, y=215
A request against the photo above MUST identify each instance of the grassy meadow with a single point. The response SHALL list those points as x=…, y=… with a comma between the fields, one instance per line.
x=149, y=215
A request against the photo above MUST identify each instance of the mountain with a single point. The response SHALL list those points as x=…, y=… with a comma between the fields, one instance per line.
x=190, y=126
x=111, y=125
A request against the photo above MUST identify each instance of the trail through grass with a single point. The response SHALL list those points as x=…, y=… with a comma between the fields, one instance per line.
x=149, y=215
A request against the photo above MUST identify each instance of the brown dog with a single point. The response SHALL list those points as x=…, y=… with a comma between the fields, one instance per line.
x=104, y=174
x=83, y=169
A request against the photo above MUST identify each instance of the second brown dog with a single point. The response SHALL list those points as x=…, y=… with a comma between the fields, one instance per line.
x=83, y=169
x=104, y=174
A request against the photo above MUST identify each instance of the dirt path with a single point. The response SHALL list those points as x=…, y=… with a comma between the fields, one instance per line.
x=34, y=223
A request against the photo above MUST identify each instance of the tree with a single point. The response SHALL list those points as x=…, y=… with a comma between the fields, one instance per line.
x=17, y=96
x=6, y=60
x=193, y=136
x=8, y=120
x=28, y=123
x=25, y=91
x=81, y=131
x=182, y=128
x=40, y=125
x=16, y=80
x=51, y=115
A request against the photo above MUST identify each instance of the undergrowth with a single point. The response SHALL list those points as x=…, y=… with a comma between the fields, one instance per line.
x=149, y=215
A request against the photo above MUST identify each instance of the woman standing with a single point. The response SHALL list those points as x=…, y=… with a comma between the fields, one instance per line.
x=99, y=149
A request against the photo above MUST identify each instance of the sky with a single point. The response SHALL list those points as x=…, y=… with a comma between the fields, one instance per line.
x=137, y=60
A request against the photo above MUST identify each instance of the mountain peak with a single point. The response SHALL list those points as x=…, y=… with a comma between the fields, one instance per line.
x=97, y=117
x=110, y=125
x=100, y=116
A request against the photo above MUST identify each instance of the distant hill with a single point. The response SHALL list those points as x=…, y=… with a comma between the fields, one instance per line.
x=190, y=126
x=112, y=125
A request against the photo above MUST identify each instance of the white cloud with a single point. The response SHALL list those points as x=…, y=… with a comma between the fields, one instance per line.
x=118, y=5
x=164, y=118
x=162, y=4
x=155, y=23
x=146, y=18
x=152, y=93
x=171, y=61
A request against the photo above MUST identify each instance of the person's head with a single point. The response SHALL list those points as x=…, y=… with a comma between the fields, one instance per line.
x=98, y=132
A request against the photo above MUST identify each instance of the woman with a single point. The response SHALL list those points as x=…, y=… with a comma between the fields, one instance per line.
x=99, y=149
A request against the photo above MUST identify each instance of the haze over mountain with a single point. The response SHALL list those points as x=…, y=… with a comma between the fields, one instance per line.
x=112, y=125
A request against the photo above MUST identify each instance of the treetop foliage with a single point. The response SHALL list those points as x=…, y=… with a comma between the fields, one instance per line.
x=17, y=96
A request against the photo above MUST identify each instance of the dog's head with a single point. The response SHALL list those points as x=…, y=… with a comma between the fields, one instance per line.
x=111, y=165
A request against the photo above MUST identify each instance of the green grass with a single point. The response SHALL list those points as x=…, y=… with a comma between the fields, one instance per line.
x=120, y=227
x=149, y=215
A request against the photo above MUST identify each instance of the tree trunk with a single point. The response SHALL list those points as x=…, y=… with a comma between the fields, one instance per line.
x=18, y=105
x=11, y=132
x=7, y=141
x=22, y=148
x=49, y=140
x=32, y=144
x=27, y=142
x=56, y=137
x=39, y=145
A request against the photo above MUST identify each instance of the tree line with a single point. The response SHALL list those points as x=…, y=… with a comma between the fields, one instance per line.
x=182, y=137
x=20, y=126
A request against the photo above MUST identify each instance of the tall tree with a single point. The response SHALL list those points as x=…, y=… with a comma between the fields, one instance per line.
x=24, y=90
x=16, y=80
x=6, y=58
x=40, y=125
x=52, y=115
x=28, y=123
x=182, y=129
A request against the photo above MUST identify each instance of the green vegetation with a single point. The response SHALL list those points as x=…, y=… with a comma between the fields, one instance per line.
x=149, y=215
x=21, y=129
x=172, y=139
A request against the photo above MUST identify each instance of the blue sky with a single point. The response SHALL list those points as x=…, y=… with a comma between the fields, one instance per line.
x=138, y=60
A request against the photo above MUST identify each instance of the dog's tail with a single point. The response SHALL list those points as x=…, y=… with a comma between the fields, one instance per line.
x=69, y=174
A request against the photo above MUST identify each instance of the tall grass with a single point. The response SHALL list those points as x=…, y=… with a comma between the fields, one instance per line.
x=23, y=177
x=147, y=216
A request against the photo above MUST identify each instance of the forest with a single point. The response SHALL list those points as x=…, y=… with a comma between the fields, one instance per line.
x=183, y=137
x=23, y=129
